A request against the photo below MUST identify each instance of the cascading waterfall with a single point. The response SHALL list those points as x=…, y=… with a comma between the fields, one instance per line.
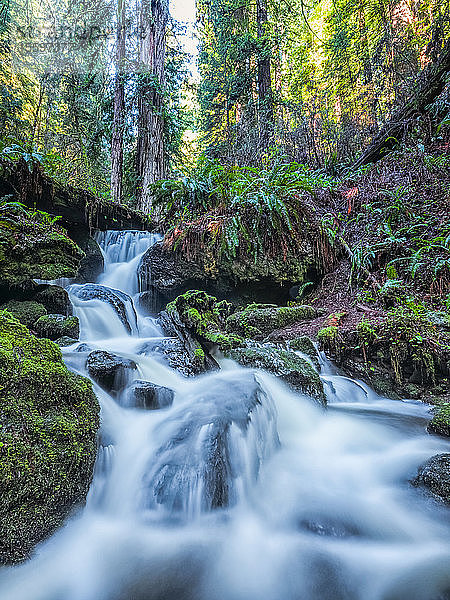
x=240, y=489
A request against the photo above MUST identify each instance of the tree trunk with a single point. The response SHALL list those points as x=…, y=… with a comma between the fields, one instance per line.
x=265, y=99
x=431, y=83
x=151, y=162
x=119, y=109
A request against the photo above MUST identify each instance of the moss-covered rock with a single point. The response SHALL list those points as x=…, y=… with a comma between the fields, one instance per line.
x=440, y=423
x=48, y=425
x=258, y=320
x=401, y=354
x=27, y=312
x=54, y=327
x=306, y=346
x=203, y=317
x=286, y=365
x=54, y=298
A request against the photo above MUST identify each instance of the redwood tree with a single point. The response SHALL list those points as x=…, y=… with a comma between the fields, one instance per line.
x=150, y=158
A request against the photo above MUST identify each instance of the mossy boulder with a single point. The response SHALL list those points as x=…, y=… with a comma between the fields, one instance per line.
x=402, y=353
x=440, y=423
x=258, y=320
x=306, y=346
x=35, y=250
x=57, y=326
x=54, y=298
x=286, y=365
x=27, y=312
x=49, y=419
x=199, y=321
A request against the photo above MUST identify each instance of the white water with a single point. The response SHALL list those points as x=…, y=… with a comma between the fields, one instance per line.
x=318, y=503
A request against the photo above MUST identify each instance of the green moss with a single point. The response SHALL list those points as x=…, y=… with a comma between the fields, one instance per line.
x=48, y=427
x=306, y=346
x=440, y=423
x=32, y=249
x=258, y=320
x=205, y=318
x=327, y=335
x=293, y=369
x=27, y=312
x=57, y=326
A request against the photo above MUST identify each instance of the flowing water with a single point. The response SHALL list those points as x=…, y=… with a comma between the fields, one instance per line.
x=241, y=490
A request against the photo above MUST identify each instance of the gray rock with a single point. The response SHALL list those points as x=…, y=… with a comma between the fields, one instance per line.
x=294, y=370
x=115, y=298
x=145, y=394
x=434, y=475
x=110, y=371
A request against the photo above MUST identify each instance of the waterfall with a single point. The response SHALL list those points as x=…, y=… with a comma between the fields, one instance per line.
x=238, y=488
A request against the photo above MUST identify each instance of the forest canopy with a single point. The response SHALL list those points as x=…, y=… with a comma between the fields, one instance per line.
x=99, y=92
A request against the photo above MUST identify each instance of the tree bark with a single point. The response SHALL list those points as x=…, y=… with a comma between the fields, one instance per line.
x=151, y=160
x=119, y=109
x=265, y=99
x=431, y=83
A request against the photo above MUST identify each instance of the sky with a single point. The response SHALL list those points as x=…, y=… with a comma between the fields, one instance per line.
x=184, y=11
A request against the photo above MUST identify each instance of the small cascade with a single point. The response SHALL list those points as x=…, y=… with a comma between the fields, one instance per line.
x=229, y=486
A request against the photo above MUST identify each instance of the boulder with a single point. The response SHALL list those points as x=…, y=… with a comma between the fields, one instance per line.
x=440, y=423
x=258, y=320
x=110, y=371
x=54, y=298
x=288, y=366
x=27, y=312
x=48, y=443
x=171, y=352
x=145, y=394
x=65, y=341
x=91, y=266
x=434, y=475
x=306, y=346
x=173, y=272
x=115, y=298
x=57, y=326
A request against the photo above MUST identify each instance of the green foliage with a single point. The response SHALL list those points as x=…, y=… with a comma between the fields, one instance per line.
x=246, y=204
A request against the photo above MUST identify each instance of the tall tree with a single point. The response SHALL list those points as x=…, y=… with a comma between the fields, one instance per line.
x=119, y=107
x=150, y=157
x=265, y=100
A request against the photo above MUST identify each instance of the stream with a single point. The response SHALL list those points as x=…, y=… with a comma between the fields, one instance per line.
x=241, y=489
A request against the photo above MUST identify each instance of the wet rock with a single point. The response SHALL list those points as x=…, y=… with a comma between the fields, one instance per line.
x=54, y=298
x=83, y=348
x=115, y=298
x=306, y=346
x=267, y=278
x=286, y=365
x=27, y=312
x=145, y=394
x=57, y=326
x=110, y=371
x=91, y=266
x=65, y=341
x=435, y=476
x=171, y=352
